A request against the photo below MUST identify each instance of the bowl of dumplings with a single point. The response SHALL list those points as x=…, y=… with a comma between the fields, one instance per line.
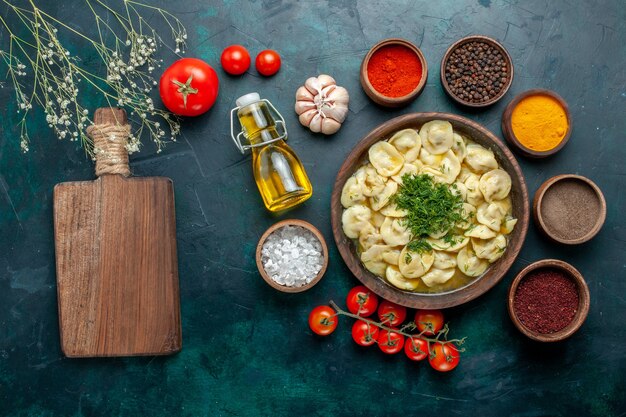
x=430, y=210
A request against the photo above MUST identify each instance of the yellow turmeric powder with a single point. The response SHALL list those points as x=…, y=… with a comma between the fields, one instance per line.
x=539, y=122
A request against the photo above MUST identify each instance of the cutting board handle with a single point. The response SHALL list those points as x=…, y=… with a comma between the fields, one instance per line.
x=110, y=132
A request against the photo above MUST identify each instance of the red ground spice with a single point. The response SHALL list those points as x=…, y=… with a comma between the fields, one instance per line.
x=394, y=70
x=546, y=301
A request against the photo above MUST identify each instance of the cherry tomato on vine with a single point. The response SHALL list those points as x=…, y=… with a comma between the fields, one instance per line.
x=391, y=314
x=390, y=342
x=189, y=87
x=235, y=59
x=267, y=62
x=361, y=301
x=322, y=320
x=363, y=333
x=429, y=321
x=416, y=349
x=444, y=357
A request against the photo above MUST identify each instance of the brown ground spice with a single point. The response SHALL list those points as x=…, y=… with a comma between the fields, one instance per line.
x=546, y=301
x=570, y=209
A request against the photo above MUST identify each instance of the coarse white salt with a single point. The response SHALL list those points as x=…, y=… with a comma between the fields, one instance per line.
x=292, y=256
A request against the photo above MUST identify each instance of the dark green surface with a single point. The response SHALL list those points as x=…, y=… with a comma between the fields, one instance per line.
x=247, y=348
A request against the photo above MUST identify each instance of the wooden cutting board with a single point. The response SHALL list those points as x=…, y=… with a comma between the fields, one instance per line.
x=117, y=271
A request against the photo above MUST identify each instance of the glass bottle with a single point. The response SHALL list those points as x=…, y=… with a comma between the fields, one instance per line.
x=279, y=174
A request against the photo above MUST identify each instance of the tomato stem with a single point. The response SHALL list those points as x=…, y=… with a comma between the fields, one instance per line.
x=402, y=330
x=185, y=89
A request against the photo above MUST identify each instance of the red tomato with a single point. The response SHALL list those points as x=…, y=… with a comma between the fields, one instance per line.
x=416, y=349
x=267, y=62
x=391, y=314
x=363, y=333
x=323, y=320
x=235, y=59
x=361, y=301
x=429, y=321
x=390, y=342
x=189, y=87
x=443, y=357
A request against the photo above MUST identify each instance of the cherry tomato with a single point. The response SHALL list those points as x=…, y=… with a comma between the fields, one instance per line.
x=235, y=59
x=361, y=301
x=189, y=87
x=390, y=342
x=443, y=357
x=267, y=62
x=416, y=349
x=363, y=333
x=323, y=320
x=429, y=321
x=391, y=314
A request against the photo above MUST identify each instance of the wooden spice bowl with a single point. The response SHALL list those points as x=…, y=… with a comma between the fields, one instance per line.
x=494, y=273
x=382, y=99
x=291, y=222
x=507, y=127
x=583, y=300
x=554, y=222
x=476, y=38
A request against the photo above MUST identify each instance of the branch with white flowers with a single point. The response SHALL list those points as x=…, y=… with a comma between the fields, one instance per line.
x=44, y=73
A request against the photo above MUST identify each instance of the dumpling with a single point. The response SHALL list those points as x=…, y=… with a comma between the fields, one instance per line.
x=444, y=260
x=480, y=159
x=352, y=193
x=491, y=215
x=377, y=219
x=394, y=232
x=385, y=158
x=369, y=236
x=464, y=174
x=454, y=244
x=437, y=276
x=495, y=185
x=371, y=183
x=481, y=232
x=508, y=225
x=354, y=219
x=395, y=278
x=414, y=265
x=392, y=256
x=380, y=200
x=447, y=170
x=429, y=159
x=469, y=213
x=458, y=188
x=408, y=142
x=373, y=259
x=474, y=196
x=437, y=136
x=410, y=169
x=459, y=147
x=470, y=264
x=391, y=210
x=490, y=249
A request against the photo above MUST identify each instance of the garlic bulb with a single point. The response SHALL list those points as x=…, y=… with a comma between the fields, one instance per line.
x=321, y=104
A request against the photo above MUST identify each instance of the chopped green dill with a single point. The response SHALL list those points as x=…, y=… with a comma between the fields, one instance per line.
x=431, y=209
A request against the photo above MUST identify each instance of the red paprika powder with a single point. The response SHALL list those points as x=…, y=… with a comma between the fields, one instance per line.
x=394, y=70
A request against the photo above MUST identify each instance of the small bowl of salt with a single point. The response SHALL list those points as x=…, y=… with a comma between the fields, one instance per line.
x=292, y=256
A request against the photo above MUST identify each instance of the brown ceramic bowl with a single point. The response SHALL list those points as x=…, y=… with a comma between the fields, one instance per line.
x=564, y=203
x=583, y=300
x=507, y=129
x=381, y=99
x=269, y=231
x=491, y=42
x=496, y=271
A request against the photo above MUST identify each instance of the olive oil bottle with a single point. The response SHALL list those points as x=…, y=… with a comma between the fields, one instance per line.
x=279, y=174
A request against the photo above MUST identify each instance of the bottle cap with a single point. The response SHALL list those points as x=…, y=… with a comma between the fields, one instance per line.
x=248, y=99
